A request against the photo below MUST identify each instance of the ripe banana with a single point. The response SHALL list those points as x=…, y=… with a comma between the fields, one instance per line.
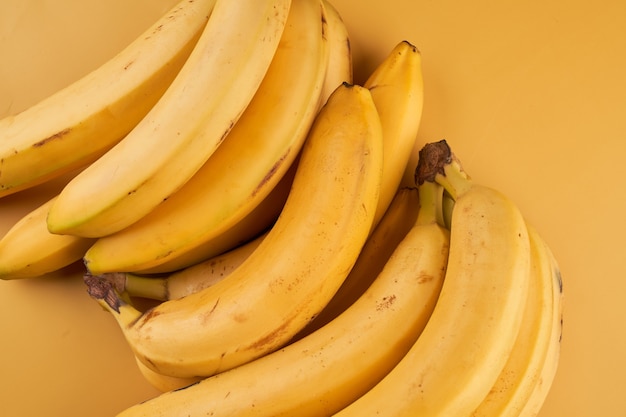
x=188, y=280
x=551, y=362
x=339, y=68
x=28, y=250
x=192, y=272
x=470, y=334
x=247, y=165
x=161, y=382
x=255, y=223
x=522, y=371
x=182, y=129
x=397, y=87
x=292, y=274
x=398, y=220
x=328, y=369
x=82, y=121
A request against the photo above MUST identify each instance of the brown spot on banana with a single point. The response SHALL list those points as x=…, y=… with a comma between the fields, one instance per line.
x=386, y=302
x=424, y=278
x=270, y=173
x=56, y=136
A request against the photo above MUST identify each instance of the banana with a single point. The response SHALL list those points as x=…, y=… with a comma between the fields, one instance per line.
x=161, y=382
x=522, y=371
x=328, y=369
x=470, y=334
x=79, y=123
x=182, y=129
x=28, y=250
x=188, y=280
x=292, y=274
x=393, y=227
x=192, y=272
x=339, y=68
x=253, y=158
x=255, y=223
x=551, y=362
x=397, y=87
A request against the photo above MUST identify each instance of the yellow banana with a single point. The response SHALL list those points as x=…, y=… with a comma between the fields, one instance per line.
x=192, y=272
x=261, y=218
x=328, y=369
x=188, y=280
x=161, y=382
x=470, y=334
x=82, y=121
x=339, y=68
x=397, y=87
x=542, y=387
x=292, y=274
x=522, y=371
x=250, y=162
x=393, y=227
x=28, y=250
x=182, y=129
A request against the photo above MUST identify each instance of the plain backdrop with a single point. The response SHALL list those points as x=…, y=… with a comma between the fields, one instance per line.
x=531, y=95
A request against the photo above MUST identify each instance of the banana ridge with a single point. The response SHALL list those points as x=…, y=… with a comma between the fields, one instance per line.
x=551, y=362
x=397, y=221
x=339, y=67
x=522, y=371
x=397, y=86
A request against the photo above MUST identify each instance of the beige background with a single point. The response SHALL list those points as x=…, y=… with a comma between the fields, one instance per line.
x=530, y=94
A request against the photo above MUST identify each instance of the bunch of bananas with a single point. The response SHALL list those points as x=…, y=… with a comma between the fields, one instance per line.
x=225, y=170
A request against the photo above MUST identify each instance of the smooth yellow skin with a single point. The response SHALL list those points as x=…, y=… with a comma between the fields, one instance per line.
x=551, y=363
x=183, y=129
x=397, y=86
x=462, y=350
x=161, y=382
x=339, y=68
x=398, y=220
x=245, y=168
x=29, y=250
x=191, y=279
x=79, y=123
x=522, y=371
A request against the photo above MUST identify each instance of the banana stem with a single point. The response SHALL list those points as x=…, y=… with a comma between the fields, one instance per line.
x=105, y=289
x=430, y=211
x=438, y=164
x=146, y=287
